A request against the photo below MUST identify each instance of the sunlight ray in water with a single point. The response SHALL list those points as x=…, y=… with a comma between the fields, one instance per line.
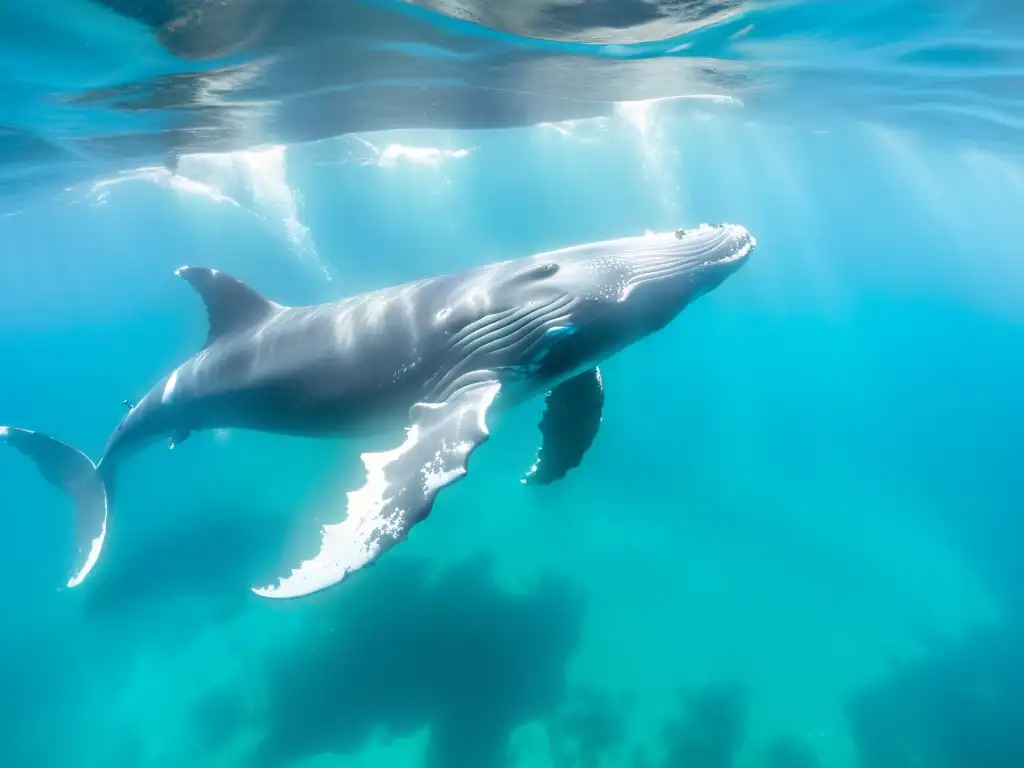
x=254, y=181
x=1000, y=180
x=945, y=203
x=999, y=185
x=262, y=176
x=642, y=116
x=979, y=191
x=901, y=151
x=777, y=163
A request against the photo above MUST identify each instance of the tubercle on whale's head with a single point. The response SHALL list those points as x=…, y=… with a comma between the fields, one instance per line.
x=680, y=267
x=697, y=261
x=643, y=282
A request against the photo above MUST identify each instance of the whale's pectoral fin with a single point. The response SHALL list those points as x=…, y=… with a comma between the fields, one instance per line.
x=572, y=416
x=400, y=489
x=231, y=305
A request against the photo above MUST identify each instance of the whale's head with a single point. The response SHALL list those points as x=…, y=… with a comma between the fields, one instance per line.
x=642, y=283
x=616, y=292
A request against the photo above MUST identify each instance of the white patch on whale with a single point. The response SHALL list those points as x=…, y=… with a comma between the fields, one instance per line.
x=169, y=387
x=354, y=541
x=435, y=476
x=94, y=552
x=373, y=523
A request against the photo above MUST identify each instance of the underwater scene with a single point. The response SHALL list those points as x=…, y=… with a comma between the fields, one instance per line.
x=512, y=384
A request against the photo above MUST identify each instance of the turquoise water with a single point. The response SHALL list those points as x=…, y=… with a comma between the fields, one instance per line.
x=795, y=540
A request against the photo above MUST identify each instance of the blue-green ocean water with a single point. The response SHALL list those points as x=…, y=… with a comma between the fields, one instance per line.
x=794, y=543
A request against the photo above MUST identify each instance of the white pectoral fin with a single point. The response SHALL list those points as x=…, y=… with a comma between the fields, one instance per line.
x=400, y=489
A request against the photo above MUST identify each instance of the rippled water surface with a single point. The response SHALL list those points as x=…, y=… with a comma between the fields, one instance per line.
x=108, y=84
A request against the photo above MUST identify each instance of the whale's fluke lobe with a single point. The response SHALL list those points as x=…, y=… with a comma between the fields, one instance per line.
x=69, y=469
x=231, y=305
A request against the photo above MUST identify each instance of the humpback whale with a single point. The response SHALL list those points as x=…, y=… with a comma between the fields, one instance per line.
x=439, y=358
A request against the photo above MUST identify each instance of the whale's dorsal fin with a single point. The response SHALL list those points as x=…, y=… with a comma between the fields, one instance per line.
x=231, y=305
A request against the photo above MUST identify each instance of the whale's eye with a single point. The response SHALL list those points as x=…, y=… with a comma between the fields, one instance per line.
x=545, y=271
x=534, y=274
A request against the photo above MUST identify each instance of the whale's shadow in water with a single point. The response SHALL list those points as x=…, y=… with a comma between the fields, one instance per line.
x=961, y=706
x=398, y=647
x=401, y=649
x=592, y=728
x=710, y=728
x=710, y=731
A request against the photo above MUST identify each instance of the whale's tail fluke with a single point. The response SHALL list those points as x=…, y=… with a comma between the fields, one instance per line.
x=74, y=473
